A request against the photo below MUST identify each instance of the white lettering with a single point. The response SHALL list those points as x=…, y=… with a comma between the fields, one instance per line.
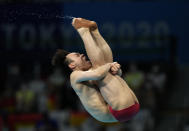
x=144, y=30
x=27, y=37
x=8, y=29
x=46, y=36
x=126, y=34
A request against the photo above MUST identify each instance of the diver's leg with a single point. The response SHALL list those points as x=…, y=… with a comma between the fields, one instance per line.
x=94, y=53
x=103, y=45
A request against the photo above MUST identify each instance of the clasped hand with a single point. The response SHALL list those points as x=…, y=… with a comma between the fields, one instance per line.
x=115, y=67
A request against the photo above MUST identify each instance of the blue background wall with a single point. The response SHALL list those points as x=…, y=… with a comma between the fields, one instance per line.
x=174, y=15
x=135, y=30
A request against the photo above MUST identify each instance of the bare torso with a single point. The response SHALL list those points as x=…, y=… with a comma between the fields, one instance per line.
x=93, y=101
x=116, y=92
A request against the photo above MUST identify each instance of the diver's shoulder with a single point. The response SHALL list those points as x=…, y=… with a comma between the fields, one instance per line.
x=74, y=74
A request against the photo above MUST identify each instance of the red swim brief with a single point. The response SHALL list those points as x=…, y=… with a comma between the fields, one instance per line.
x=125, y=114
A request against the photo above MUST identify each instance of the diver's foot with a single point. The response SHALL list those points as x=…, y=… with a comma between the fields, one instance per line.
x=80, y=22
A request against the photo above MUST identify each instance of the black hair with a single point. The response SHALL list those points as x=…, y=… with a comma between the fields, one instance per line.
x=59, y=60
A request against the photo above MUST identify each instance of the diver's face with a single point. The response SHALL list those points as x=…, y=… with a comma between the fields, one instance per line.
x=79, y=60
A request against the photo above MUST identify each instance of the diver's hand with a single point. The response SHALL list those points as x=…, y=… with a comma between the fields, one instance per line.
x=114, y=68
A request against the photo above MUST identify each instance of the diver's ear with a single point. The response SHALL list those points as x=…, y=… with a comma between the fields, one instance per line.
x=72, y=65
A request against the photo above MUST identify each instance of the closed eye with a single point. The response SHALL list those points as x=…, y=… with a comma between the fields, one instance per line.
x=77, y=54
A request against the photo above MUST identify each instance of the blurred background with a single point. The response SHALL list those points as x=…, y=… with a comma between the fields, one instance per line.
x=148, y=38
